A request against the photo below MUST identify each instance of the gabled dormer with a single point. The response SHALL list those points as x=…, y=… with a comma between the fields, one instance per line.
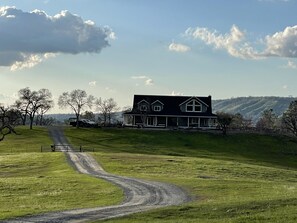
x=193, y=104
x=157, y=106
x=143, y=105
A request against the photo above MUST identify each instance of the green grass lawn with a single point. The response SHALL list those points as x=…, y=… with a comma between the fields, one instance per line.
x=253, y=148
x=33, y=182
x=25, y=140
x=237, y=178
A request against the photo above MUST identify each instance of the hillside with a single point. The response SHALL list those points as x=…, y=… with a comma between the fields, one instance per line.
x=252, y=107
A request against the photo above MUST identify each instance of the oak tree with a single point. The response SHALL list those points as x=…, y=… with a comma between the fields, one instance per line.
x=77, y=100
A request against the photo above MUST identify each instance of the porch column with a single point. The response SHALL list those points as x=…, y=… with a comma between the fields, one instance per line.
x=166, y=122
x=188, y=122
x=198, y=122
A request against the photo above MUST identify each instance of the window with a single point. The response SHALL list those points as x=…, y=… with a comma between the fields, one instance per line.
x=194, y=106
x=194, y=121
x=143, y=108
x=157, y=108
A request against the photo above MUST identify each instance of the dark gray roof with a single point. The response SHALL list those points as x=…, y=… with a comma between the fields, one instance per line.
x=171, y=105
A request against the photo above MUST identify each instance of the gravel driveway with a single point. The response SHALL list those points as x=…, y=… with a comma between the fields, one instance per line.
x=140, y=195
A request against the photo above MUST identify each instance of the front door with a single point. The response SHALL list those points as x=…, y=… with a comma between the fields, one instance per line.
x=150, y=121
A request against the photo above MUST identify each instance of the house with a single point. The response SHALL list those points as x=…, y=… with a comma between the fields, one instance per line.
x=171, y=112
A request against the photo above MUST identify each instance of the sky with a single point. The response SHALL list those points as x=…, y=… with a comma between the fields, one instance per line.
x=118, y=48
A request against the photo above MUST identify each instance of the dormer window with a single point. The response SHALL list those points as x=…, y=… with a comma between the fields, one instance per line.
x=157, y=108
x=143, y=108
x=193, y=106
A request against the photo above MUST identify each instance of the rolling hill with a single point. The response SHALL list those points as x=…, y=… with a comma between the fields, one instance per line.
x=252, y=107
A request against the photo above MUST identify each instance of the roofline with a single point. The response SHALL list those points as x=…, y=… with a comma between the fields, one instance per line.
x=176, y=116
x=194, y=97
x=181, y=96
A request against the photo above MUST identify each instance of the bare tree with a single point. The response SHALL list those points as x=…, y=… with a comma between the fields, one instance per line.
x=23, y=103
x=107, y=108
x=46, y=104
x=8, y=119
x=267, y=121
x=290, y=118
x=40, y=99
x=77, y=100
x=32, y=102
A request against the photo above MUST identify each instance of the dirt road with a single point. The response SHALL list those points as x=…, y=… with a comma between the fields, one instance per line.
x=140, y=195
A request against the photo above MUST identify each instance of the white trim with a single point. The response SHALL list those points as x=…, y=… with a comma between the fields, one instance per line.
x=194, y=98
x=157, y=106
x=193, y=105
x=157, y=101
x=141, y=107
x=179, y=116
x=143, y=101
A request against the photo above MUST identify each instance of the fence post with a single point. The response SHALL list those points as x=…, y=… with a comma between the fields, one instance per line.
x=80, y=148
x=40, y=148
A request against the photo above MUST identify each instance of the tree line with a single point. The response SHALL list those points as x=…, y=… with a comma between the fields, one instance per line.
x=31, y=106
x=269, y=122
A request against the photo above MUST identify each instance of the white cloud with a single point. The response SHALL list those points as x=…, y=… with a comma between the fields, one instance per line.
x=280, y=44
x=27, y=38
x=285, y=87
x=93, y=83
x=231, y=42
x=290, y=65
x=110, y=90
x=173, y=93
x=177, y=47
x=147, y=80
x=8, y=99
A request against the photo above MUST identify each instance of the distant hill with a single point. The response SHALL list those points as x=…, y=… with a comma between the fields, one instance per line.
x=252, y=107
x=60, y=117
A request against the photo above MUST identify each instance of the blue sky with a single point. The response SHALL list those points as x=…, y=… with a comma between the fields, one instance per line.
x=118, y=48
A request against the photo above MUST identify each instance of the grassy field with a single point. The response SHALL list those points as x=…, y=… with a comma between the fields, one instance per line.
x=33, y=182
x=266, y=150
x=25, y=140
x=238, y=178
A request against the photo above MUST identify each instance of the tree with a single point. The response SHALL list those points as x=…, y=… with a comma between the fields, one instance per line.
x=32, y=102
x=224, y=121
x=23, y=103
x=8, y=119
x=239, y=122
x=267, y=120
x=41, y=100
x=88, y=115
x=77, y=100
x=290, y=118
x=107, y=108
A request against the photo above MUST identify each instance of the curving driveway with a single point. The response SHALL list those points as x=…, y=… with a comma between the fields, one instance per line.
x=140, y=195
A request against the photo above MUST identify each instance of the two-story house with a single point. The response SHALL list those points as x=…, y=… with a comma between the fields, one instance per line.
x=171, y=111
